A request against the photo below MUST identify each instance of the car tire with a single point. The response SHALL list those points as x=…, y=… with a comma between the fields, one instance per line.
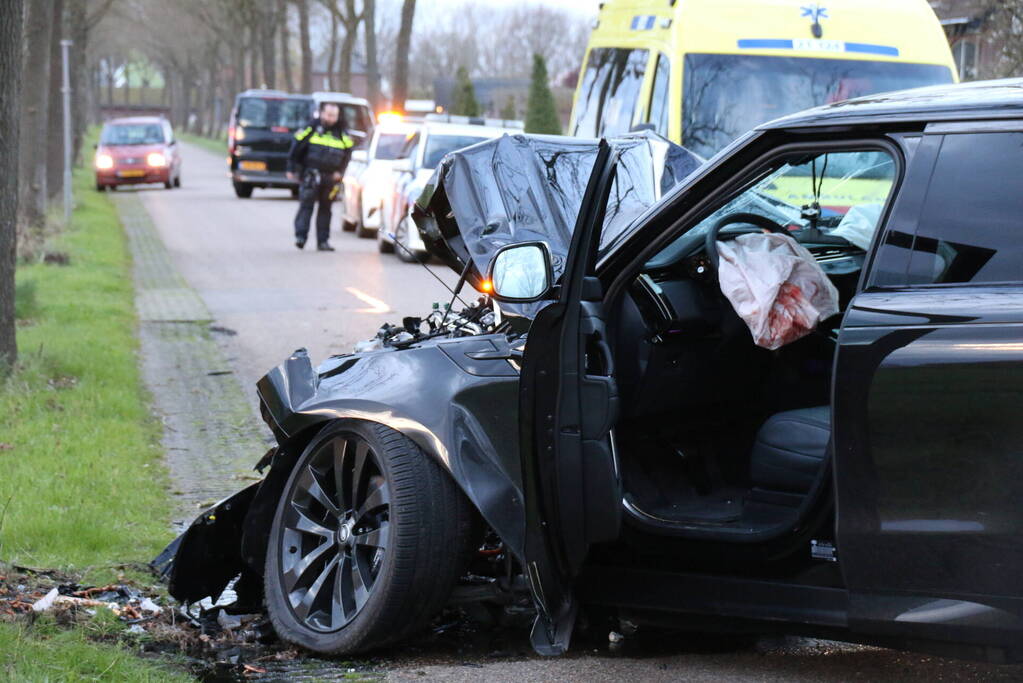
x=401, y=235
x=423, y=523
x=243, y=190
x=177, y=180
x=364, y=232
x=100, y=187
x=169, y=185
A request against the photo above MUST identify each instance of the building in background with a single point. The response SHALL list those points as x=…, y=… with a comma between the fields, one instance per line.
x=976, y=45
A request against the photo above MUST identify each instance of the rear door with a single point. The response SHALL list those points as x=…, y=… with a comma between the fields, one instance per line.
x=928, y=395
x=569, y=403
x=266, y=126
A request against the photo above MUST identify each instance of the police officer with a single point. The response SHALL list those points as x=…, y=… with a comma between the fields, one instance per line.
x=318, y=157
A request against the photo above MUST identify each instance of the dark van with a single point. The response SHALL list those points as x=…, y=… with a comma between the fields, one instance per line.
x=263, y=123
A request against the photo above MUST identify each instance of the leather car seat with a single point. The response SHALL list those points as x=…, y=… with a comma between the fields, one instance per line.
x=790, y=449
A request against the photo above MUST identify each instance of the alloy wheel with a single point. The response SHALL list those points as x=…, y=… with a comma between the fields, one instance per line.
x=335, y=533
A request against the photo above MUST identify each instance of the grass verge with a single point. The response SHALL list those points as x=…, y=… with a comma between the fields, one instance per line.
x=216, y=145
x=83, y=487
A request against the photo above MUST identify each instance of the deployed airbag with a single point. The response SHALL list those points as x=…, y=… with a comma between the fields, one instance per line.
x=776, y=286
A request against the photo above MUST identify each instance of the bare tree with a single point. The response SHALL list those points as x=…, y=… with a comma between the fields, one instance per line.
x=55, y=110
x=402, y=49
x=285, y=33
x=370, y=39
x=1005, y=17
x=10, y=95
x=83, y=17
x=345, y=13
x=267, y=18
x=34, y=105
x=306, y=80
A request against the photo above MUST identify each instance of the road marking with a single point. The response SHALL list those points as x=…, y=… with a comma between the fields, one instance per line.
x=376, y=305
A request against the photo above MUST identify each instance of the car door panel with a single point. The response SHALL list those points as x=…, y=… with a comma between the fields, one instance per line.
x=928, y=442
x=929, y=462
x=569, y=398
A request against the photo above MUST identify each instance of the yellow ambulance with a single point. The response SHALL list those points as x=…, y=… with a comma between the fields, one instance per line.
x=702, y=72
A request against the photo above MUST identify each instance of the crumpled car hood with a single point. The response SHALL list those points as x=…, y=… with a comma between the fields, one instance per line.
x=518, y=188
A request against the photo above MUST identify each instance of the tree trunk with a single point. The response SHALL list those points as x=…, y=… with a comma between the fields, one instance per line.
x=79, y=75
x=252, y=54
x=267, y=37
x=109, y=61
x=55, y=115
x=333, y=51
x=345, y=69
x=34, y=111
x=10, y=81
x=372, y=69
x=306, y=80
x=402, y=49
x=238, y=68
x=289, y=77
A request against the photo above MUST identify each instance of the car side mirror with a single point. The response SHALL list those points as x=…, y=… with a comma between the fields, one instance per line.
x=360, y=155
x=521, y=273
x=403, y=165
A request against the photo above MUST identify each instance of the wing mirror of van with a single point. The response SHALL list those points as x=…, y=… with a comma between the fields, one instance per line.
x=402, y=165
x=360, y=155
x=521, y=273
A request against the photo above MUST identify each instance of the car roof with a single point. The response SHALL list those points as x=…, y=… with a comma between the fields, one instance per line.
x=275, y=94
x=468, y=129
x=955, y=102
x=135, y=119
x=347, y=98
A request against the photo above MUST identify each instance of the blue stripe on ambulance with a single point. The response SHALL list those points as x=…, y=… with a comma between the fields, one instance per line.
x=643, y=22
x=785, y=44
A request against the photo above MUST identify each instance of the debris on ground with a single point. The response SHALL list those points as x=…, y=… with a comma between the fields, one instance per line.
x=216, y=641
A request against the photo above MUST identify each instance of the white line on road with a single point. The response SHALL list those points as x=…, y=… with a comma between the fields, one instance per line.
x=376, y=305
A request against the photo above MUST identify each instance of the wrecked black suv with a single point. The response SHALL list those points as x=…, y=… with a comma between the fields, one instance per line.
x=617, y=429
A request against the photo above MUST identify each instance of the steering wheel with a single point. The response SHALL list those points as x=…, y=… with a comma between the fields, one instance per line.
x=732, y=218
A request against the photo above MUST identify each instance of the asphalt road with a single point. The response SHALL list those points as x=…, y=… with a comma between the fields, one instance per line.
x=240, y=258
x=239, y=255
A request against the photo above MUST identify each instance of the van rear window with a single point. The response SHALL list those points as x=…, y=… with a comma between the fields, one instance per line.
x=258, y=112
x=609, y=91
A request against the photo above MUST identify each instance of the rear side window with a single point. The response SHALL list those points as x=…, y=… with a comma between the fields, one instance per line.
x=609, y=91
x=971, y=223
x=390, y=145
x=258, y=112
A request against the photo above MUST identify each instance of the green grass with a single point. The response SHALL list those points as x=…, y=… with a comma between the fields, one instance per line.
x=82, y=477
x=216, y=145
x=82, y=484
x=45, y=652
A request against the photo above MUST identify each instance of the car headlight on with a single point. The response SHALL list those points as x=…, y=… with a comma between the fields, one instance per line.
x=156, y=159
x=104, y=161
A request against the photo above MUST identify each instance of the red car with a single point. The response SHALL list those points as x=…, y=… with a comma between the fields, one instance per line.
x=135, y=150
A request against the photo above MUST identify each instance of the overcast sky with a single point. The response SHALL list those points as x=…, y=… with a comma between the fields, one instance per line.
x=585, y=7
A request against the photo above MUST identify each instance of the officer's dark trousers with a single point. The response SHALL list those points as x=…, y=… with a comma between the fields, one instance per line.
x=310, y=194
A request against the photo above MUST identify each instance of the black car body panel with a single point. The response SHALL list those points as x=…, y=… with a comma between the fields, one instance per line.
x=451, y=404
x=922, y=533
